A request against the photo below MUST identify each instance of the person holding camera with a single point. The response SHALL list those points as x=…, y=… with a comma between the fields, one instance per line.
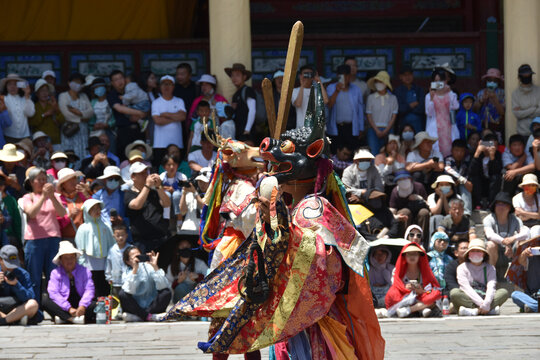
x=145, y=289
x=17, y=99
x=94, y=165
x=191, y=203
x=173, y=182
x=17, y=297
x=300, y=95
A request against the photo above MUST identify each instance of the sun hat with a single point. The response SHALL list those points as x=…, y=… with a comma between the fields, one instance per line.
x=65, y=248
x=110, y=171
x=9, y=153
x=421, y=136
x=363, y=154
x=65, y=174
x=136, y=143
x=238, y=67
x=374, y=194
x=392, y=137
x=476, y=244
x=58, y=155
x=204, y=174
x=26, y=145
x=135, y=154
x=381, y=76
x=503, y=197
x=206, y=78
x=137, y=167
x=402, y=174
x=89, y=79
x=9, y=77
x=38, y=134
x=165, y=78
x=48, y=73
x=72, y=154
x=278, y=73
x=413, y=248
x=40, y=83
x=10, y=255
x=493, y=73
x=529, y=179
x=443, y=178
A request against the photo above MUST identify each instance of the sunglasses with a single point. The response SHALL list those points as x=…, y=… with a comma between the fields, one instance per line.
x=416, y=235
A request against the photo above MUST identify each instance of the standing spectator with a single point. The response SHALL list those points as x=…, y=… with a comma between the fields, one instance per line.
x=516, y=162
x=440, y=102
x=77, y=110
x=42, y=207
x=103, y=118
x=467, y=120
x=115, y=263
x=19, y=106
x=197, y=126
x=48, y=117
x=42, y=150
x=490, y=104
x=381, y=111
x=148, y=82
x=168, y=113
x=346, y=106
x=277, y=82
x=208, y=86
x=485, y=171
x=73, y=194
x=205, y=156
x=5, y=120
x=411, y=101
x=191, y=203
x=243, y=101
x=389, y=161
x=58, y=162
x=14, y=228
x=300, y=95
x=361, y=84
x=126, y=118
x=361, y=178
x=425, y=162
x=11, y=171
x=525, y=100
x=70, y=290
x=98, y=160
x=50, y=77
x=185, y=88
x=477, y=284
x=111, y=196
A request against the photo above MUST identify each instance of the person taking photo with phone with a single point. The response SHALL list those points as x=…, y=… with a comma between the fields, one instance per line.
x=19, y=105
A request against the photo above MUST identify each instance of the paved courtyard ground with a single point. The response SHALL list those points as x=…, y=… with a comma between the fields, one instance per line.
x=508, y=336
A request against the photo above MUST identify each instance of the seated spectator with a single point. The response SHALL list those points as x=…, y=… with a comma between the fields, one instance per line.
x=485, y=171
x=411, y=100
x=389, y=161
x=412, y=274
x=145, y=289
x=173, y=183
x=185, y=270
x=424, y=162
x=456, y=224
x=466, y=119
x=11, y=171
x=408, y=203
x=414, y=234
x=191, y=203
x=173, y=150
x=205, y=156
x=516, y=162
x=73, y=193
x=94, y=165
x=115, y=264
x=535, y=124
x=502, y=229
x=529, y=275
x=70, y=290
x=361, y=177
x=526, y=203
x=42, y=150
x=342, y=158
x=450, y=271
x=477, y=281
x=473, y=141
x=438, y=258
x=457, y=166
x=58, y=162
x=382, y=223
x=12, y=228
x=17, y=297
x=197, y=126
x=144, y=148
x=94, y=239
x=439, y=201
x=5, y=120
x=407, y=141
x=47, y=117
x=380, y=273
x=111, y=196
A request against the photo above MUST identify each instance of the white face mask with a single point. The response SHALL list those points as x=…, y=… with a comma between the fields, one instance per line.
x=476, y=258
x=59, y=165
x=75, y=86
x=405, y=187
x=380, y=86
x=364, y=165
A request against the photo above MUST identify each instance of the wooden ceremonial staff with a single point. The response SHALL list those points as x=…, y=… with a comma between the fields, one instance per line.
x=277, y=126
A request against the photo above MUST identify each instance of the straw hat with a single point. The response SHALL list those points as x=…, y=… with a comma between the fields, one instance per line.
x=26, y=145
x=64, y=175
x=65, y=248
x=139, y=143
x=421, y=136
x=443, y=178
x=413, y=248
x=381, y=76
x=476, y=244
x=135, y=154
x=529, y=179
x=9, y=77
x=9, y=153
x=59, y=155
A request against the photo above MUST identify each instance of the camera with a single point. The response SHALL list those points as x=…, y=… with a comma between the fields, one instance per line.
x=184, y=183
x=10, y=275
x=437, y=85
x=488, y=143
x=143, y=258
x=308, y=75
x=535, y=250
x=21, y=84
x=435, y=159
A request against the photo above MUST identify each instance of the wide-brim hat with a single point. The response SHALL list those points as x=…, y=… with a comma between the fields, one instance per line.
x=40, y=83
x=26, y=145
x=529, y=179
x=413, y=248
x=9, y=153
x=238, y=67
x=139, y=143
x=493, y=73
x=9, y=77
x=476, y=244
x=381, y=76
x=65, y=174
x=59, y=155
x=503, y=197
x=65, y=248
x=207, y=78
x=443, y=178
x=111, y=171
x=363, y=154
x=421, y=136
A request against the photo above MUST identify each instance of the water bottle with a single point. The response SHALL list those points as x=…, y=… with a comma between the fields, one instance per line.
x=445, y=306
x=101, y=315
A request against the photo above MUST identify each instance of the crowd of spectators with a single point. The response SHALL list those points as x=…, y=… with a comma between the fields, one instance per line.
x=102, y=185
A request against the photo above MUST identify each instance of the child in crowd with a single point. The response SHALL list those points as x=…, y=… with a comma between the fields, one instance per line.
x=135, y=98
x=380, y=273
x=197, y=126
x=94, y=238
x=225, y=112
x=457, y=165
x=439, y=259
x=172, y=182
x=466, y=119
x=115, y=263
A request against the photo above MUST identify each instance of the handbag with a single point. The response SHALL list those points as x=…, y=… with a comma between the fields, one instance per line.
x=70, y=129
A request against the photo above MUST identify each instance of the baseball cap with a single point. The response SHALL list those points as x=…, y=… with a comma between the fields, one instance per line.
x=166, y=77
x=525, y=69
x=48, y=73
x=137, y=167
x=10, y=255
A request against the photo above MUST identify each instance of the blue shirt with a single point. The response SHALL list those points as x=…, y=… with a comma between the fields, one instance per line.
x=5, y=121
x=113, y=201
x=23, y=290
x=357, y=104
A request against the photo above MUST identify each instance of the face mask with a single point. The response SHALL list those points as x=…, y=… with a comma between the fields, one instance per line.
x=476, y=258
x=380, y=86
x=525, y=80
x=405, y=187
x=445, y=189
x=143, y=154
x=185, y=253
x=113, y=184
x=100, y=91
x=75, y=86
x=364, y=165
x=408, y=135
x=58, y=165
x=492, y=85
x=529, y=190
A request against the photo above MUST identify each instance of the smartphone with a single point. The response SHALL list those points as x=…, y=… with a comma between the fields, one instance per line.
x=143, y=258
x=488, y=143
x=437, y=85
x=21, y=84
x=535, y=250
x=413, y=283
x=435, y=159
x=342, y=79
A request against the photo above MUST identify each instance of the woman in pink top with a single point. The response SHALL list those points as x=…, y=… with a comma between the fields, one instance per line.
x=42, y=206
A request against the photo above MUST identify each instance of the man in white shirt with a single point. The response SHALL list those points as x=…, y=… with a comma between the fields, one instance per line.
x=424, y=163
x=351, y=61
x=300, y=95
x=168, y=113
x=205, y=156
